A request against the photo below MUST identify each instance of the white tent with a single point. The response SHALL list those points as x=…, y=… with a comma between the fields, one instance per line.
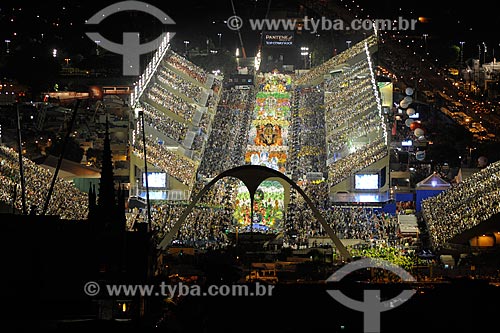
x=433, y=182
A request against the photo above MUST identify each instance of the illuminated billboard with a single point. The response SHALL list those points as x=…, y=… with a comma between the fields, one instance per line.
x=278, y=38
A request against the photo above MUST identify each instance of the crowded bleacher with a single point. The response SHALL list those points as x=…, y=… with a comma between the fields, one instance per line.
x=178, y=106
x=354, y=127
x=226, y=144
x=171, y=128
x=176, y=165
x=317, y=73
x=187, y=109
x=66, y=201
x=185, y=66
x=464, y=206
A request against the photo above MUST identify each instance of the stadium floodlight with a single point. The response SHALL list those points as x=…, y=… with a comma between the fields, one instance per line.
x=138, y=111
x=97, y=42
x=304, y=51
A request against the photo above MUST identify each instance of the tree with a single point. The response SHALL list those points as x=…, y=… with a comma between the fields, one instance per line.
x=322, y=50
x=285, y=253
x=223, y=61
x=315, y=255
x=443, y=153
x=95, y=155
x=34, y=67
x=72, y=152
x=448, y=54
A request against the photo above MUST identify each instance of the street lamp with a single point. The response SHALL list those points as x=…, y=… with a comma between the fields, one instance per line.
x=425, y=42
x=97, y=46
x=7, y=41
x=220, y=39
x=237, y=55
x=304, y=51
x=484, y=54
x=461, y=53
x=186, y=43
x=140, y=112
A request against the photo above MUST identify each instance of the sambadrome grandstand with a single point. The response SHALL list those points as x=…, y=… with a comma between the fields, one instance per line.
x=320, y=129
x=323, y=129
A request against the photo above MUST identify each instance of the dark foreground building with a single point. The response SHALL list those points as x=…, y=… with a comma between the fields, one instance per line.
x=46, y=263
x=52, y=268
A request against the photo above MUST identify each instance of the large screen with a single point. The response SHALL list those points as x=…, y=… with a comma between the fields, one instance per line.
x=366, y=181
x=155, y=179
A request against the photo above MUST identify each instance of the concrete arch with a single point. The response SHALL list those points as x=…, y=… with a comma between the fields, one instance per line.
x=252, y=176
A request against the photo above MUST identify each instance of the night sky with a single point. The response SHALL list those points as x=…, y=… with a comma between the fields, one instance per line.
x=43, y=26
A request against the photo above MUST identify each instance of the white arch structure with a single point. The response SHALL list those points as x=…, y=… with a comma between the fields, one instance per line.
x=252, y=176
